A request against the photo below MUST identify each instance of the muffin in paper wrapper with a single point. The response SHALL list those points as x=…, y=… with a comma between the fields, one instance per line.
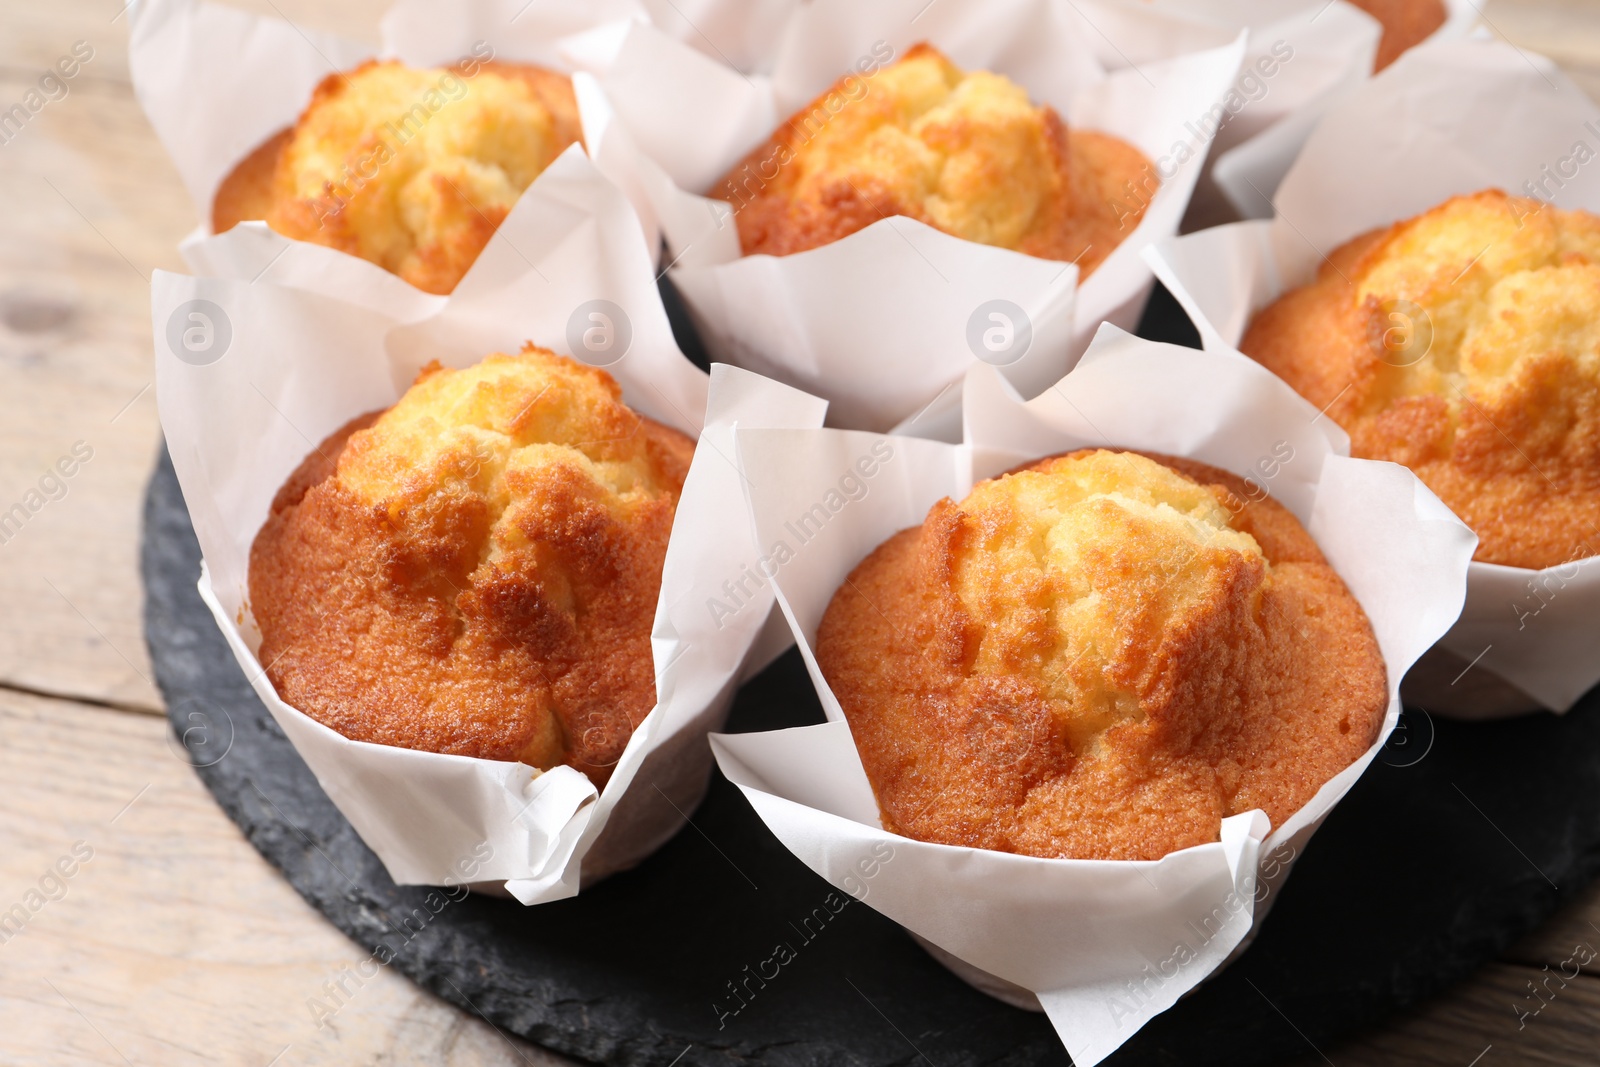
x=1445, y=119
x=877, y=322
x=216, y=82
x=250, y=376
x=1103, y=946
x=1300, y=58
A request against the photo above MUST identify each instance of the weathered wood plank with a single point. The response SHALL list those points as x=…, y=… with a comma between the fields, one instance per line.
x=173, y=942
x=1573, y=933
x=1567, y=31
x=92, y=206
x=37, y=34
x=1495, y=1019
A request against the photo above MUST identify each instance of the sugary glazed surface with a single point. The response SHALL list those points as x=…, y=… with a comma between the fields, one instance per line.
x=1465, y=344
x=475, y=571
x=966, y=153
x=410, y=169
x=1100, y=656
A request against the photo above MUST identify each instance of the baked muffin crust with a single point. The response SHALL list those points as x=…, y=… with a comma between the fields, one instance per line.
x=410, y=169
x=1406, y=24
x=1100, y=656
x=966, y=153
x=1465, y=344
x=475, y=571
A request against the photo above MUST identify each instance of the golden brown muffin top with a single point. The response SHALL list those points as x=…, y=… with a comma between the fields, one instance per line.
x=1100, y=656
x=1406, y=24
x=1465, y=344
x=475, y=571
x=965, y=152
x=410, y=169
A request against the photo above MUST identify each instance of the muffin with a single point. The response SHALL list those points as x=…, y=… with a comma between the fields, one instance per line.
x=966, y=153
x=475, y=570
x=1100, y=656
x=1465, y=344
x=1406, y=23
x=410, y=169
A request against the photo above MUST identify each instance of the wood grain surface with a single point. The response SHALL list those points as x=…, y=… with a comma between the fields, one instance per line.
x=174, y=942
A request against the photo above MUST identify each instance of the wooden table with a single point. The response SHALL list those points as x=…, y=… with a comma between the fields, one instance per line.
x=174, y=943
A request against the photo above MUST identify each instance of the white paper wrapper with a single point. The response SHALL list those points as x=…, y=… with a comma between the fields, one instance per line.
x=216, y=82
x=740, y=33
x=878, y=322
x=1330, y=47
x=1445, y=119
x=298, y=364
x=1081, y=935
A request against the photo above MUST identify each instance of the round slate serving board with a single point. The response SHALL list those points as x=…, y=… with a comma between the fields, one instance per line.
x=1458, y=841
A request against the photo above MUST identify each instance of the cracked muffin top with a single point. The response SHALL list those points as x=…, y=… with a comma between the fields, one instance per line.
x=1465, y=344
x=1100, y=656
x=410, y=169
x=475, y=570
x=964, y=152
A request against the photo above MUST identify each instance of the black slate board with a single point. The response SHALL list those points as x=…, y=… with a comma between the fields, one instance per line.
x=1461, y=839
